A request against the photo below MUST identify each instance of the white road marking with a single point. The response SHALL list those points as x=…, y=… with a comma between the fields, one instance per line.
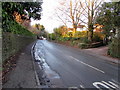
x=113, y=84
x=82, y=86
x=99, y=83
x=88, y=65
x=108, y=84
x=71, y=88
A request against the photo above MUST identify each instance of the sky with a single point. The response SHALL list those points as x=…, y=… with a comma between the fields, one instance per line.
x=48, y=18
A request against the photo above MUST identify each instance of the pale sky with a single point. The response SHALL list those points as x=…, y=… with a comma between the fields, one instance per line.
x=48, y=18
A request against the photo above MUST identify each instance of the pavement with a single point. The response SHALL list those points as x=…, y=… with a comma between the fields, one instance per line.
x=23, y=76
x=102, y=53
x=100, y=50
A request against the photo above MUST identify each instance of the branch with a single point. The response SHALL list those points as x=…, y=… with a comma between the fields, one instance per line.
x=82, y=21
x=61, y=19
x=88, y=6
x=75, y=7
x=83, y=8
x=97, y=5
x=65, y=13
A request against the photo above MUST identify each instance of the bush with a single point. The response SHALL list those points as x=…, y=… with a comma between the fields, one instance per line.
x=61, y=39
x=16, y=28
x=75, y=38
x=114, y=48
x=83, y=45
x=80, y=33
x=74, y=43
x=84, y=40
x=97, y=36
x=12, y=43
x=52, y=36
x=67, y=38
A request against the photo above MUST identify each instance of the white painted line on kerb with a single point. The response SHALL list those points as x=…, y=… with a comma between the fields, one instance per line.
x=88, y=65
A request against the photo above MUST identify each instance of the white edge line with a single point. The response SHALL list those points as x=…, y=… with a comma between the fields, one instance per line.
x=88, y=65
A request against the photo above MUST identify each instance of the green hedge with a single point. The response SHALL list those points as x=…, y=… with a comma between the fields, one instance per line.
x=114, y=48
x=12, y=43
x=83, y=45
x=14, y=27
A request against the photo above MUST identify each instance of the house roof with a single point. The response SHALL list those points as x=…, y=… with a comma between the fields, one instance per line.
x=80, y=26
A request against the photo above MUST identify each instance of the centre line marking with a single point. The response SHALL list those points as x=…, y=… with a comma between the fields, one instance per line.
x=88, y=65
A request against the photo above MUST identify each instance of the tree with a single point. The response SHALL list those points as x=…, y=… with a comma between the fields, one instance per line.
x=26, y=10
x=37, y=26
x=78, y=11
x=69, y=12
x=92, y=11
x=116, y=15
x=60, y=31
x=32, y=9
x=40, y=28
x=104, y=18
x=45, y=34
x=109, y=17
x=57, y=32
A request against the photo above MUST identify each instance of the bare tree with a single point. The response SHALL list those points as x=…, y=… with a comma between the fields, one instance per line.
x=91, y=11
x=70, y=12
x=79, y=11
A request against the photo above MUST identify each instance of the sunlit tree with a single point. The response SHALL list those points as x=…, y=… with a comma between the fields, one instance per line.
x=79, y=11
x=69, y=13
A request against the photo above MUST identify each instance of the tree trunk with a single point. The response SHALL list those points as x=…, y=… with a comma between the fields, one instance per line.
x=117, y=33
x=90, y=21
x=90, y=32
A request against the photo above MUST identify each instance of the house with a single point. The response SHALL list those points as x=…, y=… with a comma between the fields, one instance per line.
x=98, y=28
x=81, y=27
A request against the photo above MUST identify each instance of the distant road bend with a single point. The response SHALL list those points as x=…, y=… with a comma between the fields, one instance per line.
x=79, y=69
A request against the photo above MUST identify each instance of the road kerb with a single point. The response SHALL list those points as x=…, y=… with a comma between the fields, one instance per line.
x=36, y=76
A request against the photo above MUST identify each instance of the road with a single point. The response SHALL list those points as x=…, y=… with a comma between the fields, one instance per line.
x=77, y=68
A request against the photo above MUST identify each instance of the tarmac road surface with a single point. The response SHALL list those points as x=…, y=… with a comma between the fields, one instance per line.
x=77, y=68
